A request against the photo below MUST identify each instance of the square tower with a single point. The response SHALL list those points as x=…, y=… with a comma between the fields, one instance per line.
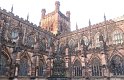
x=55, y=22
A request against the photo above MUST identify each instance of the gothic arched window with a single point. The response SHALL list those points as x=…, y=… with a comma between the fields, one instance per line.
x=59, y=68
x=43, y=44
x=62, y=49
x=23, y=68
x=77, y=69
x=85, y=39
x=3, y=63
x=96, y=67
x=117, y=65
x=117, y=37
x=41, y=68
x=14, y=33
x=71, y=46
x=97, y=42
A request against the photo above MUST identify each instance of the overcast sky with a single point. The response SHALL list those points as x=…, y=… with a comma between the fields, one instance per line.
x=81, y=10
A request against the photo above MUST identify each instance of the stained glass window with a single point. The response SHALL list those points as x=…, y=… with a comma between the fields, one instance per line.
x=23, y=68
x=40, y=70
x=96, y=69
x=58, y=69
x=14, y=33
x=85, y=40
x=117, y=37
x=77, y=69
x=71, y=44
x=3, y=62
x=117, y=65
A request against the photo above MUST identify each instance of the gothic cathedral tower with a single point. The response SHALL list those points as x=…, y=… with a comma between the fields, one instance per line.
x=55, y=22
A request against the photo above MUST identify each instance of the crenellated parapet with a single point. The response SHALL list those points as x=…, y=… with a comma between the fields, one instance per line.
x=106, y=28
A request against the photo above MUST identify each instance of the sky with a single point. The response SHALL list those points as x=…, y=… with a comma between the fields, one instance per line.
x=81, y=10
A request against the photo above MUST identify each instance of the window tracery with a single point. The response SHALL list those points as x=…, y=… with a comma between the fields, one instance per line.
x=14, y=33
x=117, y=37
x=117, y=65
x=85, y=39
x=40, y=68
x=77, y=69
x=71, y=44
x=23, y=67
x=96, y=67
x=97, y=42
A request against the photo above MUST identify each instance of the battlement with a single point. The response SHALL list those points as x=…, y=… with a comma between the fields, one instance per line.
x=100, y=24
x=94, y=26
x=16, y=17
x=49, y=14
x=119, y=18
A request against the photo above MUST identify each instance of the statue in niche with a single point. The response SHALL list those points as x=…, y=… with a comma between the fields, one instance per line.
x=43, y=45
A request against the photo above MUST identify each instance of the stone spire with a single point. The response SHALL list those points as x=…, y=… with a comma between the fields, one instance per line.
x=27, y=16
x=90, y=31
x=104, y=17
x=89, y=23
x=76, y=26
x=12, y=9
x=106, y=28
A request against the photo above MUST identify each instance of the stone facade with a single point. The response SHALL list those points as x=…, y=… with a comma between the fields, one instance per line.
x=55, y=22
x=29, y=52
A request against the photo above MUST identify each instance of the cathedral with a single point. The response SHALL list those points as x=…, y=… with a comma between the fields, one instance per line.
x=51, y=51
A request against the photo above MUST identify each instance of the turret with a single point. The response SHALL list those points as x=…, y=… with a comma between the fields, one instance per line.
x=57, y=5
x=68, y=15
x=43, y=13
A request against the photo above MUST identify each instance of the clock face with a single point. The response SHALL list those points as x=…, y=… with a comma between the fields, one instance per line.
x=14, y=33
